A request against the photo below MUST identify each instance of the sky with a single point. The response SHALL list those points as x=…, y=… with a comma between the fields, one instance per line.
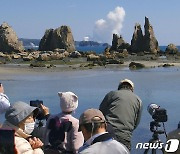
x=93, y=19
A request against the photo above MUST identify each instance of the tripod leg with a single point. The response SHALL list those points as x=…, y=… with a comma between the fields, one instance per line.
x=163, y=150
x=153, y=151
x=146, y=151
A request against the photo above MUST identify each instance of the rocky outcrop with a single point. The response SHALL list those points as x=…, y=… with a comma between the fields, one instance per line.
x=171, y=49
x=134, y=65
x=8, y=40
x=137, y=39
x=146, y=42
x=150, y=41
x=61, y=38
x=118, y=44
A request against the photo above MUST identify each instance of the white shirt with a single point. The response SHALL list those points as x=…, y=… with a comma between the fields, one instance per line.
x=4, y=103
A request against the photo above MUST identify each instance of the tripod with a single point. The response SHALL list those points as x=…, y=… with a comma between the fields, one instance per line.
x=155, y=141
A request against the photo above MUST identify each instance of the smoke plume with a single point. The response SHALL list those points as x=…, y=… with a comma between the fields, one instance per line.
x=105, y=28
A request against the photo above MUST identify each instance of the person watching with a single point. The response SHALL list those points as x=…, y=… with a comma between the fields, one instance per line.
x=61, y=134
x=20, y=117
x=92, y=123
x=122, y=110
x=4, y=100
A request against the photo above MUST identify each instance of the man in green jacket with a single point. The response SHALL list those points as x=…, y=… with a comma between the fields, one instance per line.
x=122, y=110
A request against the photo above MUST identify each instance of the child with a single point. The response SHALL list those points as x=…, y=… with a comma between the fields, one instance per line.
x=62, y=129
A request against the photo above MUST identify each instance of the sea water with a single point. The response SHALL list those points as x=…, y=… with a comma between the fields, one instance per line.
x=157, y=85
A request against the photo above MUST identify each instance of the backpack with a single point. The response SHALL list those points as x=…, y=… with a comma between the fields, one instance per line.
x=58, y=128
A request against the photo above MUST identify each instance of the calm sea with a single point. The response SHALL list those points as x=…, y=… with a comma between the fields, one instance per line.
x=100, y=49
x=158, y=85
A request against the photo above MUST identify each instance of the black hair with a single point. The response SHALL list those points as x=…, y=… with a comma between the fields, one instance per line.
x=93, y=127
x=125, y=85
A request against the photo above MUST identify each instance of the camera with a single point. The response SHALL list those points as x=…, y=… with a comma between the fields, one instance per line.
x=157, y=113
x=37, y=103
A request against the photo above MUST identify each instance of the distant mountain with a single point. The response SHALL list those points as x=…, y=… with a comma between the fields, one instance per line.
x=34, y=43
x=89, y=43
x=30, y=43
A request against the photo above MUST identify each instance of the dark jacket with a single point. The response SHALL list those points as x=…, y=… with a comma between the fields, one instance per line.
x=122, y=109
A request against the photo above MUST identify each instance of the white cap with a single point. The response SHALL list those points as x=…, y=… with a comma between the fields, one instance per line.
x=68, y=101
x=128, y=81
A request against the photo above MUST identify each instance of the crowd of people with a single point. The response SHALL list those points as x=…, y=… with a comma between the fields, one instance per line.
x=98, y=131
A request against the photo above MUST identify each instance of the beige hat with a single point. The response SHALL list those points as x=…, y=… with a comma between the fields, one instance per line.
x=89, y=115
x=68, y=101
x=128, y=81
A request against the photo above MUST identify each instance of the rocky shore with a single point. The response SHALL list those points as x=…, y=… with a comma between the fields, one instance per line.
x=57, y=52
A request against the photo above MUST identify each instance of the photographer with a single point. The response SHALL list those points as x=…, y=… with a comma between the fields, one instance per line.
x=20, y=117
x=122, y=110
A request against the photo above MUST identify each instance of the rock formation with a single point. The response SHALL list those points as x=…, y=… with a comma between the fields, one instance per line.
x=171, y=49
x=148, y=42
x=137, y=39
x=8, y=40
x=61, y=38
x=118, y=44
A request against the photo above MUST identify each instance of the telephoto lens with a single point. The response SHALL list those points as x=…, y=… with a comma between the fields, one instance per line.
x=152, y=108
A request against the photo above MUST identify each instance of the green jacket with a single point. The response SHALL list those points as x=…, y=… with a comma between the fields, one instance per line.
x=122, y=110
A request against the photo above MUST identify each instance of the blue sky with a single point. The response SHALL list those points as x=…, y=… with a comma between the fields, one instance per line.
x=30, y=19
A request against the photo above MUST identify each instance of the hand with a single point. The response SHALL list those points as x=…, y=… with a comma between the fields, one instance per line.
x=45, y=109
x=35, y=143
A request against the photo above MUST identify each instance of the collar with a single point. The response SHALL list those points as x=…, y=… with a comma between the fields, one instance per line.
x=18, y=131
x=4, y=95
x=90, y=140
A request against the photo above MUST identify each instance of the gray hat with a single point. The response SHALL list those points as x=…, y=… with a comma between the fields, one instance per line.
x=19, y=111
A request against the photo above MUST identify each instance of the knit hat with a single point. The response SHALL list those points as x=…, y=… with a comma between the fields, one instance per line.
x=68, y=101
x=127, y=81
x=19, y=111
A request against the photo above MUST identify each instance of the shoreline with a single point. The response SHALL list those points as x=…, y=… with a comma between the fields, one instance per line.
x=12, y=68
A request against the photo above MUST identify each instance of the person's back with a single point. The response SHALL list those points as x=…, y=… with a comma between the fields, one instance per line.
x=123, y=105
x=62, y=129
x=106, y=147
x=122, y=110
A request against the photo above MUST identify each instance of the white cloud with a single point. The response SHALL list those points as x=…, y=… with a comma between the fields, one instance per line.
x=105, y=28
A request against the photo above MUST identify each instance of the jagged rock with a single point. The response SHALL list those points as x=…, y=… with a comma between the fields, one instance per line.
x=107, y=51
x=44, y=57
x=134, y=65
x=171, y=49
x=8, y=40
x=150, y=41
x=167, y=65
x=137, y=39
x=37, y=64
x=118, y=44
x=28, y=58
x=57, y=56
x=92, y=57
x=115, y=61
x=75, y=54
x=16, y=56
x=61, y=38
